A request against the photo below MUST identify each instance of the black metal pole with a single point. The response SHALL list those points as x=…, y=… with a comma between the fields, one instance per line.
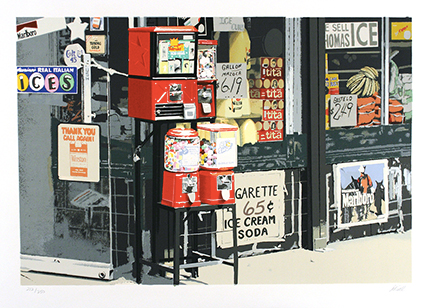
x=138, y=206
x=313, y=62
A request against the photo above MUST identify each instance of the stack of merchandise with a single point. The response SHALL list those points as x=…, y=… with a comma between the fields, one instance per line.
x=267, y=93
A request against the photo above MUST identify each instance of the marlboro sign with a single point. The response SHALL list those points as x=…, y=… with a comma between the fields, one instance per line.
x=361, y=192
x=38, y=27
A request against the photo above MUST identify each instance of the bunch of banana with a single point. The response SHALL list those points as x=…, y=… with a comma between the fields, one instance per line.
x=364, y=83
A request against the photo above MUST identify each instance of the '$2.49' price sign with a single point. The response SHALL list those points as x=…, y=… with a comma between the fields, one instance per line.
x=343, y=110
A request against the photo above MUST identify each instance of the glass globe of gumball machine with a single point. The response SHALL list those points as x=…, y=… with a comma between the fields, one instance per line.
x=218, y=157
x=181, y=163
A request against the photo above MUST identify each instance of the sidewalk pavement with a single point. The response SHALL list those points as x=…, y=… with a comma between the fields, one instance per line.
x=384, y=258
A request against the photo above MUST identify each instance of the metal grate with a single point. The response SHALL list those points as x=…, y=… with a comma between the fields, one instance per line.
x=169, y=110
x=123, y=220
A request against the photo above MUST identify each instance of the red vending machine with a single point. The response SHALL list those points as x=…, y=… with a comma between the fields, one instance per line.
x=163, y=73
x=218, y=157
x=181, y=162
x=206, y=78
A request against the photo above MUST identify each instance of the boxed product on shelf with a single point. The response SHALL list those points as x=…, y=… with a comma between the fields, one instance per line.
x=231, y=107
x=266, y=67
x=266, y=83
x=270, y=130
x=270, y=93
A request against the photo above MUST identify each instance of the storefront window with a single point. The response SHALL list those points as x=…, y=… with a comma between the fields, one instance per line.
x=251, y=81
x=400, y=71
x=354, y=72
x=368, y=72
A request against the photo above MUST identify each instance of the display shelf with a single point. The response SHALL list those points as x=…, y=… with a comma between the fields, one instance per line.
x=206, y=259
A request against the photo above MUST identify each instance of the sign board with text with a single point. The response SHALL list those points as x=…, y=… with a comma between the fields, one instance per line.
x=78, y=152
x=351, y=35
x=401, y=31
x=95, y=44
x=34, y=28
x=72, y=55
x=232, y=81
x=47, y=79
x=229, y=24
x=343, y=110
x=259, y=207
x=361, y=192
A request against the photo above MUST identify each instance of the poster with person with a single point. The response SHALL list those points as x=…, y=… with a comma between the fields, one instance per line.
x=361, y=192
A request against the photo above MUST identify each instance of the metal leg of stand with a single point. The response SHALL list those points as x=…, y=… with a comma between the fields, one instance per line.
x=176, y=247
x=138, y=197
x=234, y=215
x=213, y=235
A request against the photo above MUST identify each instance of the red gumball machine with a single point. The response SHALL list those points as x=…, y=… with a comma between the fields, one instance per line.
x=181, y=183
x=218, y=157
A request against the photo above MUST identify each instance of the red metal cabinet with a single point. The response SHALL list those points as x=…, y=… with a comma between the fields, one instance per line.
x=162, y=99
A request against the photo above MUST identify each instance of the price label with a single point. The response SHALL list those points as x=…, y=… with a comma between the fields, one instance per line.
x=343, y=110
x=231, y=80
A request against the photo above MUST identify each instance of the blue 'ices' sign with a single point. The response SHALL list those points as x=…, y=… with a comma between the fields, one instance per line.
x=47, y=79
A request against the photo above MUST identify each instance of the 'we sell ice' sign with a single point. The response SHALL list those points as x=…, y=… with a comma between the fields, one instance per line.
x=351, y=35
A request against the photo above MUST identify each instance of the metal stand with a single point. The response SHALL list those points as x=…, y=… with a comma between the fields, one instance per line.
x=198, y=259
x=180, y=262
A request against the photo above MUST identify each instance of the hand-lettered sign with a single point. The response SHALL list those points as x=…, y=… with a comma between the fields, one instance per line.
x=232, y=82
x=343, y=110
x=259, y=207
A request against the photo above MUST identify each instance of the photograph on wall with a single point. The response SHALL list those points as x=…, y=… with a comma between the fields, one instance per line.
x=361, y=192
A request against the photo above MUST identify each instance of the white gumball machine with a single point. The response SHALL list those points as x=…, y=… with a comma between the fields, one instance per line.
x=218, y=157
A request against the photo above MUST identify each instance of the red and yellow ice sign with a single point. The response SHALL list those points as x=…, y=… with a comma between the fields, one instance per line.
x=78, y=152
x=401, y=31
